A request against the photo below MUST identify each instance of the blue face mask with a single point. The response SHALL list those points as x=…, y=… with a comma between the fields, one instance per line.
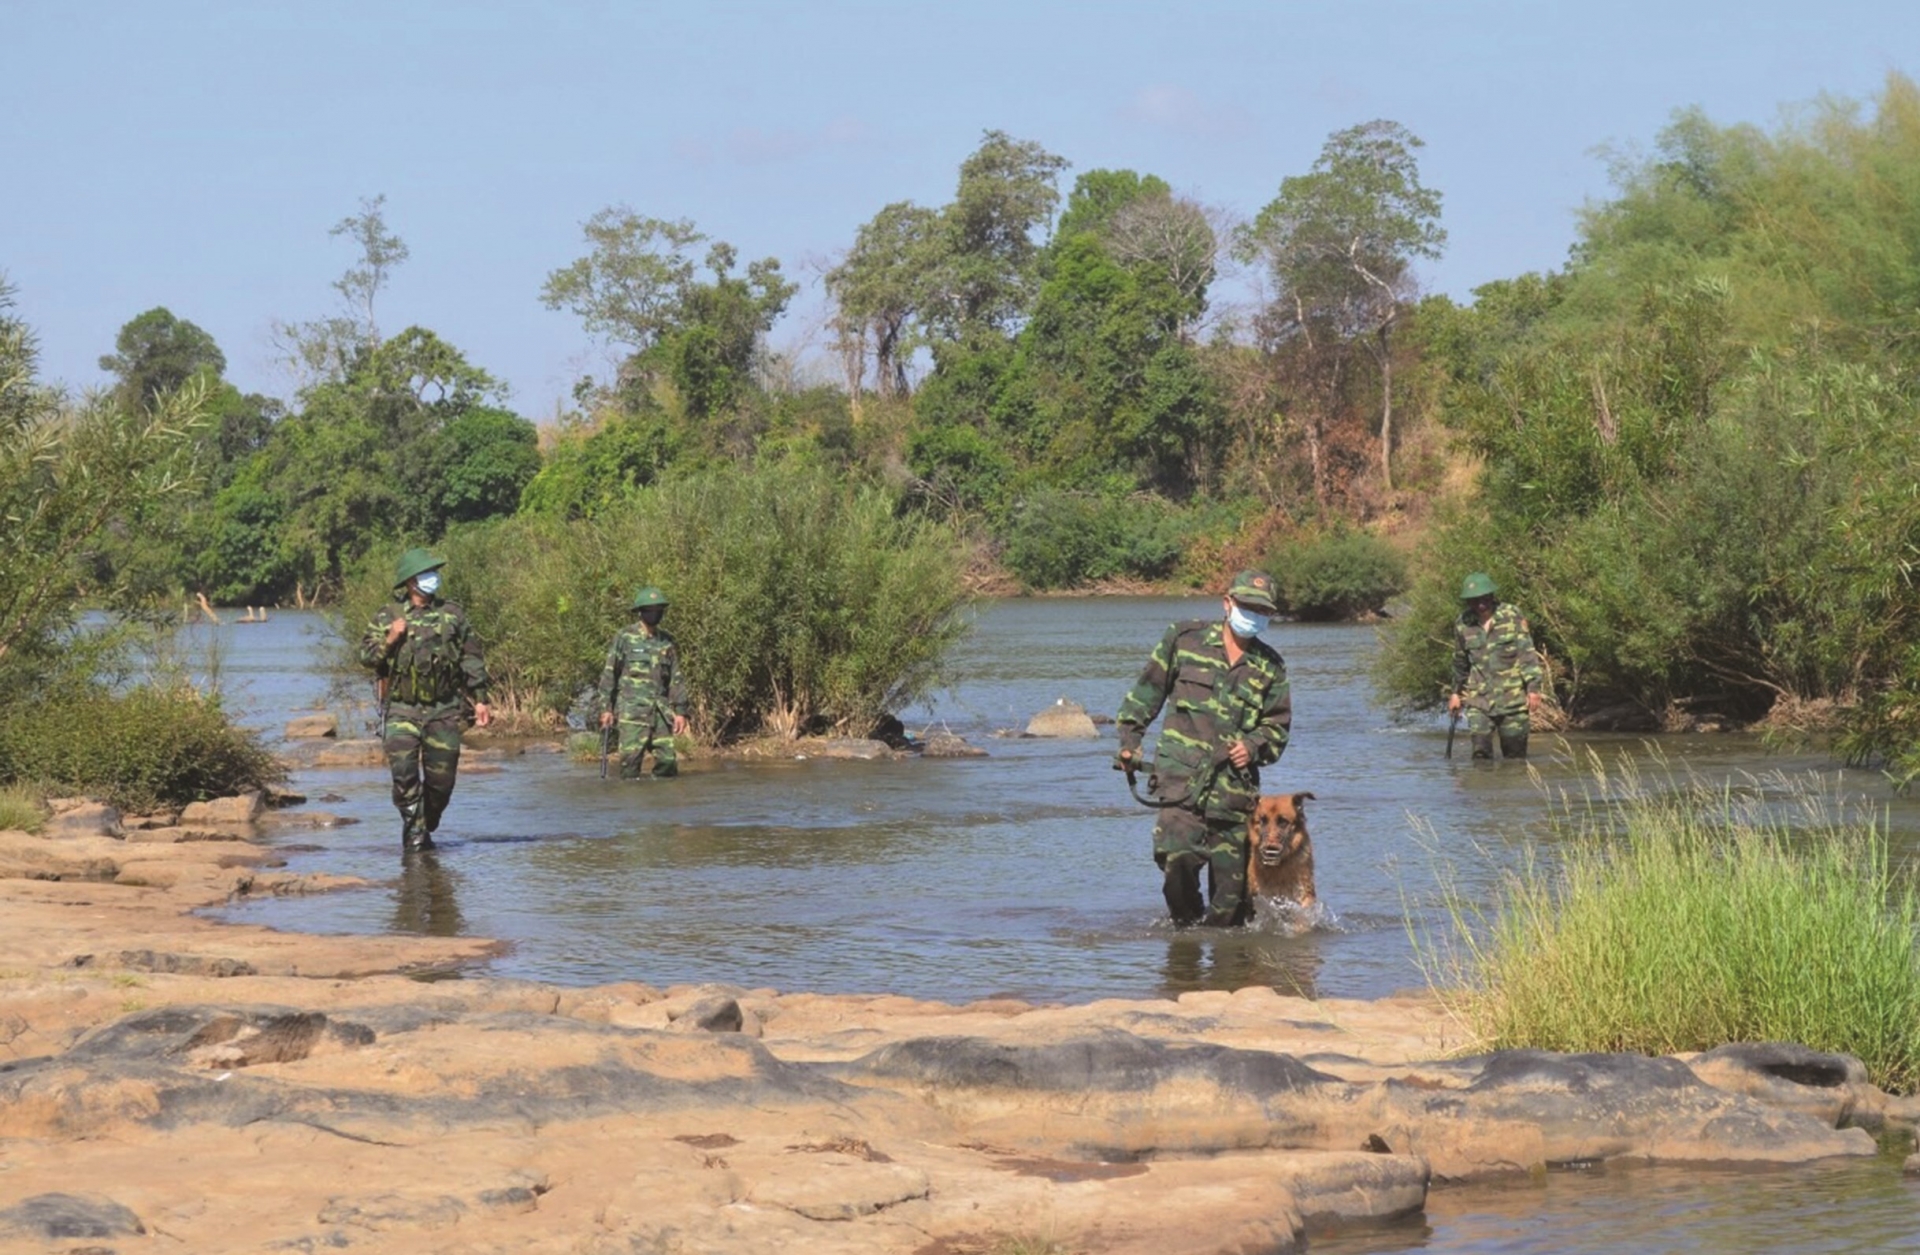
x=428, y=583
x=1244, y=624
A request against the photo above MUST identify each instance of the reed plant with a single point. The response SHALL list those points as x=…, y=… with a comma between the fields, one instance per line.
x=1679, y=920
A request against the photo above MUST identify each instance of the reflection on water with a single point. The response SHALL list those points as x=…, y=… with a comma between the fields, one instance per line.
x=424, y=901
x=1844, y=1208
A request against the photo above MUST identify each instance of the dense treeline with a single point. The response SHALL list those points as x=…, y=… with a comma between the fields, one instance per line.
x=1688, y=453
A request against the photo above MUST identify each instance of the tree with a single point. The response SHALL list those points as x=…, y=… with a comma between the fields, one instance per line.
x=629, y=287
x=380, y=251
x=991, y=259
x=156, y=352
x=1339, y=242
x=639, y=286
x=324, y=349
x=880, y=288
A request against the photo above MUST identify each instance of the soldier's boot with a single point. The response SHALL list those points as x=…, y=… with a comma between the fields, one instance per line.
x=665, y=769
x=1513, y=744
x=630, y=767
x=413, y=833
x=1182, y=888
x=1483, y=745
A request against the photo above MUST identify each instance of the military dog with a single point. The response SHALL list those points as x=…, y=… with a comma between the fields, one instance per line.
x=1279, y=853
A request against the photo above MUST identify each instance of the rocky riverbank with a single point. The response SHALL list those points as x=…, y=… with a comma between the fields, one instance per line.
x=171, y=1083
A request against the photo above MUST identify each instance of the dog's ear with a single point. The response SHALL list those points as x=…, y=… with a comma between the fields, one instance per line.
x=1302, y=797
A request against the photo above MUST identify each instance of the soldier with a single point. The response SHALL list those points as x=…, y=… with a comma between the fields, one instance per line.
x=1496, y=671
x=1232, y=711
x=642, y=687
x=426, y=659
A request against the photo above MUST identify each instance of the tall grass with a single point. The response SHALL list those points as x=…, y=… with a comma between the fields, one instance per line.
x=1683, y=920
x=20, y=808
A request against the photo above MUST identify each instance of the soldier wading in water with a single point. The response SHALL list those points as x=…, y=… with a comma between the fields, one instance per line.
x=1497, y=674
x=426, y=660
x=1231, y=711
x=641, y=686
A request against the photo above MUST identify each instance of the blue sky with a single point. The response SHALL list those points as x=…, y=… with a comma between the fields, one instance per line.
x=194, y=154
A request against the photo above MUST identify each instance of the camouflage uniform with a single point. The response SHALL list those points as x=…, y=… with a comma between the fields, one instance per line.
x=1213, y=705
x=641, y=683
x=435, y=664
x=1495, y=666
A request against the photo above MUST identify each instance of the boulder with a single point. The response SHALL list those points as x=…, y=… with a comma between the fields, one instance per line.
x=357, y=753
x=1063, y=719
x=59, y=1217
x=845, y=747
x=946, y=745
x=310, y=727
x=243, y=809
x=82, y=818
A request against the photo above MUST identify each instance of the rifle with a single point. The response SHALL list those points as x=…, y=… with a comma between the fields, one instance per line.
x=606, y=748
x=381, y=683
x=1453, y=725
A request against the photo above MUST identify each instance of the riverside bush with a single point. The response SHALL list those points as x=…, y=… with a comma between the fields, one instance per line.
x=150, y=746
x=1342, y=574
x=1683, y=921
x=1059, y=539
x=799, y=601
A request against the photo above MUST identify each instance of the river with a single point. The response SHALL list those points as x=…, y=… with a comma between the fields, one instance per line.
x=1027, y=874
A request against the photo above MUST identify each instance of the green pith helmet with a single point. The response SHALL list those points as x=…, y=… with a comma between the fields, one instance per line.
x=1478, y=585
x=414, y=562
x=1254, y=590
x=649, y=596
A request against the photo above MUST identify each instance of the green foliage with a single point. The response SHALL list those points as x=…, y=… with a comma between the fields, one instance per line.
x=1056, y=539
x=1687, y=919
x=156, y=353
x=1337, y=574
x=585, y=474
x=1697, y=446
x=798, y=600
x=146, y=747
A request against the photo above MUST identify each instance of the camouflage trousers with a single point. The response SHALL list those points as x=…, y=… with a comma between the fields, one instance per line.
x=1511, y=725
x=423, y=753
x=649, y=734
x=1183, y=844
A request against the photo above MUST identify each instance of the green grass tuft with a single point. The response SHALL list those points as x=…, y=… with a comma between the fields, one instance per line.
x=21, y=809
x=1683, y=920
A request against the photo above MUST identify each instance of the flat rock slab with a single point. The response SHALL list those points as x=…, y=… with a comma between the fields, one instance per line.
x=309, y=727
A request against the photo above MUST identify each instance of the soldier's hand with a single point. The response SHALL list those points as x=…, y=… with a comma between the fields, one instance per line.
x=482, y=715
x=606, y=718
x=1533, y=703
x=396, y=630
x=1453, y=703
x=1124, y=760
x=1239, y=755
x=680, y=725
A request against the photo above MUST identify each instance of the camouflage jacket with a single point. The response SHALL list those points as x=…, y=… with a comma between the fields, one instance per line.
x=1213, y=705
x=436, y=662
x=642, y=675
x=1496, y=666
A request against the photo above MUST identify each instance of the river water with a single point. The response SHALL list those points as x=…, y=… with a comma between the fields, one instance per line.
x=1028, y=874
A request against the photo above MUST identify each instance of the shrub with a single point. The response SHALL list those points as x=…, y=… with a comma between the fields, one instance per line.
x=1687, y=920
x=1342, y=574
x=149, y=746
x=1056, y=539
x=798, y=600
